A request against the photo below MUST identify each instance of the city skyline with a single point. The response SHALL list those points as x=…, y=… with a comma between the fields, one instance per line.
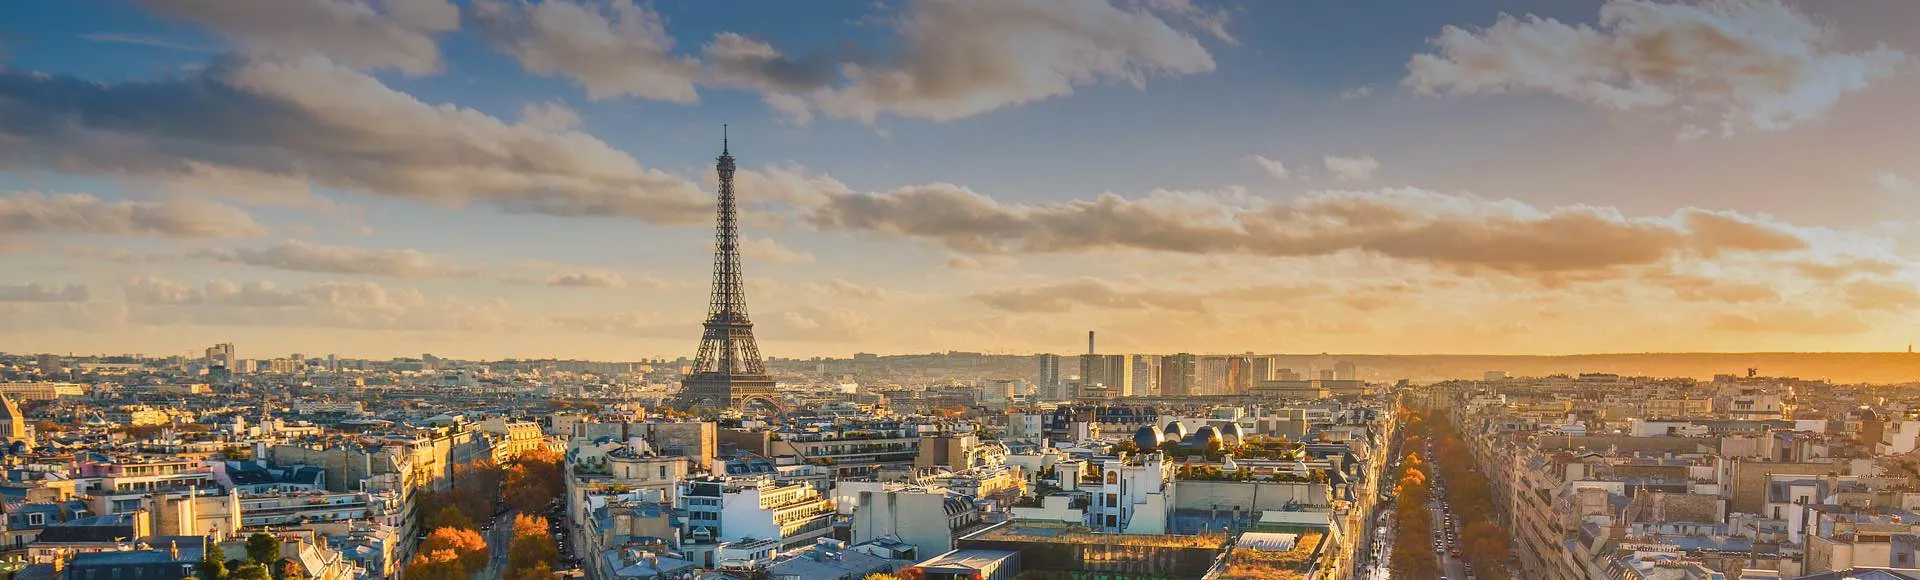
x=528, y=180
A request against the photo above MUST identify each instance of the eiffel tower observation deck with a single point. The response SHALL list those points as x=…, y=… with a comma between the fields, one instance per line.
x=728, y=371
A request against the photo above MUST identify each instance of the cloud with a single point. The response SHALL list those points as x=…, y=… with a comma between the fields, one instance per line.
x=1829, y=271
x=550, y=116
x=1757, y=64
x=844, y=290
x=82, y=214
x=1882, y=295
x=33, y=292
x=142, y=40
x=588, y=279
x=961, y=58
x=633, y=324
x=1090, y=292
x=1693, y=288
x=1274, y=169
x=1409, y=224
x=817, y=324
x=1352, y=168
x=399, y=34
x=1789, y=320
x=617, y=49
x=962, y=262
x=327, y=259
x=769, y=250
x=1896, y=183
x=1145, y=294
x=1356, y=93
x=347, y=305
x=314, y=120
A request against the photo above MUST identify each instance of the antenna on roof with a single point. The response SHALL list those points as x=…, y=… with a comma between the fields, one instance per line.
x=723, y=138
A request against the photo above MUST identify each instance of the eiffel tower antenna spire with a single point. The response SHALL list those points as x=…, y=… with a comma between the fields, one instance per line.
x=728, y=370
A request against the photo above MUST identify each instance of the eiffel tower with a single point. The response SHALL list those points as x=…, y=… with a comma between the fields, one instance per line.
x=728, y=371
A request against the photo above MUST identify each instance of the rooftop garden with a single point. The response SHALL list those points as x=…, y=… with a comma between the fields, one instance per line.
x=1249, y=564
x=1211, y=473
x=1056, y=532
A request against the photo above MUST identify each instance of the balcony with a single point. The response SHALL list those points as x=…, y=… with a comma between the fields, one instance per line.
x=806, y=528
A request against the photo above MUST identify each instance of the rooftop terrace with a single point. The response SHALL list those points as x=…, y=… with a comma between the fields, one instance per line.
x=1063, y=533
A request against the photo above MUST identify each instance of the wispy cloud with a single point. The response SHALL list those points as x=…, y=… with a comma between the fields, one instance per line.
x=1274, y=168
x=1352, y=168
x=144, y=40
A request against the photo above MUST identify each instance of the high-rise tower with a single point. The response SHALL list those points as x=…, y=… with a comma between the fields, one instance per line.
x=728, y=371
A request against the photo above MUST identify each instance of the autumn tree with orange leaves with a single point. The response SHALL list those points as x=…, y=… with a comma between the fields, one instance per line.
x=467, y=546
x=436, y=565
x=531, y=549
x=533, y=479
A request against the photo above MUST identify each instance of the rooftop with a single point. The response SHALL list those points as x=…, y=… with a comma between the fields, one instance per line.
x=1063, y=533
x=1264, y=555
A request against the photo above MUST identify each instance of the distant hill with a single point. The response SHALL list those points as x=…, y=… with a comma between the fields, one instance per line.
x=1838, y=367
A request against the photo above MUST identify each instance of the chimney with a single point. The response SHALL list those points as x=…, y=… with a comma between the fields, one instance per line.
x=1090, y=343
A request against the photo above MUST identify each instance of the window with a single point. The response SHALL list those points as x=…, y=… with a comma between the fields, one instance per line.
x=1113, y=478
x=1113, y=500
x=663, y=472
x=36, y=519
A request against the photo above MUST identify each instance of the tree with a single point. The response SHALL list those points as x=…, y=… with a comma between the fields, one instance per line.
x=252, y=571
x=263, y=548
x=467, y=546
x=1126, y=446
x=538, y=571
x=436, y=565
x=289, y=569
x=449, y=516
x=213, y=563
x=534, y=478
x=531, y=547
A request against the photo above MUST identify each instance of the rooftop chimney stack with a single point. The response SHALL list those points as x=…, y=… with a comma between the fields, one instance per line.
x=1090, y=342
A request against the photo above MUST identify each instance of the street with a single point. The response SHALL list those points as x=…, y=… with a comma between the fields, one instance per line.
x=1382, y=545
x=499, y=539
x=1455, y=568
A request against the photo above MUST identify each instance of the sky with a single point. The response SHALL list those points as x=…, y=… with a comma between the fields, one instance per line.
x=534, y=178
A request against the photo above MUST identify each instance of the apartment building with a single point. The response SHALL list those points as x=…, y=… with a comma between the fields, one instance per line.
x=1133, y=495
x=721, y=510
x=852, y=453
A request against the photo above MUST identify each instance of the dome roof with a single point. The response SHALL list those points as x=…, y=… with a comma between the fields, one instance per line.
x=1148, y=438
x=1232, y=434
x=1199, y=439
x=1175, y=431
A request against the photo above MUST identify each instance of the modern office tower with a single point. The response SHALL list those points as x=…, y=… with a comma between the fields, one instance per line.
x=1047, y=381
x=1177, y=375
x=1346, y=371
x=1240, y=378
x=1000, y=391
x=221, y=355
x=1211, y=377
x=1326, y=374
x=1146, y=375
x=1113, y=371
x=1286, y=375
x=1265, y=367
x=728, y=370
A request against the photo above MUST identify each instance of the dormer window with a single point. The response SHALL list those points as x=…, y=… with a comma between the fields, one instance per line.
x=36, y=519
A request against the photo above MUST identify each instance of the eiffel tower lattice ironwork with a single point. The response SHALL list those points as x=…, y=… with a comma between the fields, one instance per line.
x=728, y=370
